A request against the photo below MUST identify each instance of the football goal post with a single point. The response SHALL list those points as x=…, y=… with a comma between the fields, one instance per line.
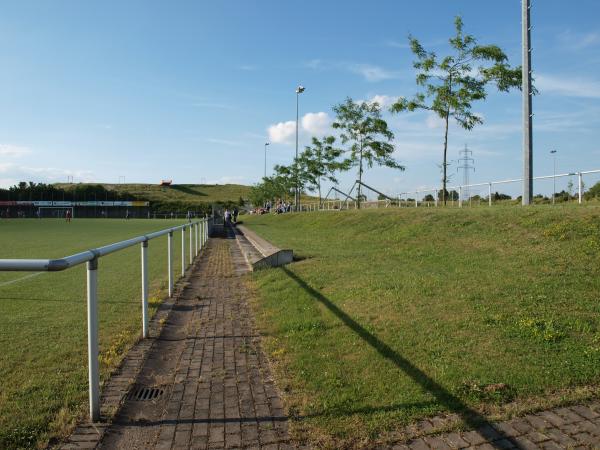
x=55, y=212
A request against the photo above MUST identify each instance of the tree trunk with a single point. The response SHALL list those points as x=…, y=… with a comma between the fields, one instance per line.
x=320, y=200
x=445, y=164
x=360, y=171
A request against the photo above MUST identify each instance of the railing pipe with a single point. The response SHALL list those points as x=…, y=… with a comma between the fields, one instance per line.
x=170, y=261
x=92, y=319
x=580, y=186
x=191, y=246
x=145, y=289
x=183, y=251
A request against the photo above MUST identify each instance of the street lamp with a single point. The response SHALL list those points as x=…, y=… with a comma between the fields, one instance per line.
x=299, y=90
x=553, y=153
x=266, y=143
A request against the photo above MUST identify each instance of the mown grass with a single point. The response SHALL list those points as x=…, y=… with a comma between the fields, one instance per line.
x=394, y=315
x=192, y=193
x=43, y=329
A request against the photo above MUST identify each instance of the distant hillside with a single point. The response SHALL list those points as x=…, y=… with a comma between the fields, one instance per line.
x=180, y=193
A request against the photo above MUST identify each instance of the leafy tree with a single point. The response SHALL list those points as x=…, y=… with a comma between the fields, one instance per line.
x=319, y=161
x=499, y=196
x=367, y=134
x=452, y=83
x=271, y=188
x=429, y=198
x=452, y=195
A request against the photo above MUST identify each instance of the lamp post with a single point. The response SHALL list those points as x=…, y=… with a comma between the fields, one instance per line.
x=553, y=153
x=266, y=144
x=299, y=90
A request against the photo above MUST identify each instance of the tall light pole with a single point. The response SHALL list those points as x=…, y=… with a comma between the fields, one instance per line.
x=553, y=153
x=266, y=143
x=527, y=106
x=299, y=90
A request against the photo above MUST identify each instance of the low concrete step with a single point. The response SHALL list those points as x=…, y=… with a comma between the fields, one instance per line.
x=259, y=252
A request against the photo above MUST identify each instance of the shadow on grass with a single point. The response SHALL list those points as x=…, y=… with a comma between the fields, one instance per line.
x=187, y=190
x=471, y=417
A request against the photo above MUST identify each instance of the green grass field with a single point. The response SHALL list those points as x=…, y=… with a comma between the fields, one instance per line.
x=394, y=315
x=43, y=329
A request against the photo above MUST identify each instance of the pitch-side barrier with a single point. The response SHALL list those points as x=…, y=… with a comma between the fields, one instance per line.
x=198, y=235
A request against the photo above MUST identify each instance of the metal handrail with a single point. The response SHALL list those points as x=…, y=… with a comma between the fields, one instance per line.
x=199, y=232
x=489, y=184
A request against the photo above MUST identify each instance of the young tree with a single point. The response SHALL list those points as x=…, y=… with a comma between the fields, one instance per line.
x=321, y=160
x=453, y=83
x=367, y=133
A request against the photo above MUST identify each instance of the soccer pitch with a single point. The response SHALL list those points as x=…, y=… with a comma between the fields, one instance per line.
x=43, y=329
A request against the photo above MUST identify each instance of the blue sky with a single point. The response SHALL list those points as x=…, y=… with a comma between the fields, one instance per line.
x=190, y=91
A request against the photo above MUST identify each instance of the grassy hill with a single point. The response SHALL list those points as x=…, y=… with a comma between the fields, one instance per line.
x=390, y=316
x=183, y=193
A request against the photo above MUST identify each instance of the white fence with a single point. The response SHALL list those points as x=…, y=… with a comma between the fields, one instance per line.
x=198, y=234
x=417, y=197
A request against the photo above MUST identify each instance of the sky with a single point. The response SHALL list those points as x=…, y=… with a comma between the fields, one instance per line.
x=190, y=91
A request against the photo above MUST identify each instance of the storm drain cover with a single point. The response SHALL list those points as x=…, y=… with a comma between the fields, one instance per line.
x=144, y=394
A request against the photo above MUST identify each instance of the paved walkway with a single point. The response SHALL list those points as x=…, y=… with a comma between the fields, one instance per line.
x=576, y=427
x=204, y=383
x=217, y=390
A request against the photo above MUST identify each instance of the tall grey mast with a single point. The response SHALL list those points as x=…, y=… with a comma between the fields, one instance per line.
x=527, y=106
x=467, y=163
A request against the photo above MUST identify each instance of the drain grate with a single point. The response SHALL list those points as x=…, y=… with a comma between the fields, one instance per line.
x=144, y=394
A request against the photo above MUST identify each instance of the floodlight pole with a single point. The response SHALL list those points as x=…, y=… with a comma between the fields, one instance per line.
x=527, y=106
x=266, y=144
x=299, y=90
x=553, y=152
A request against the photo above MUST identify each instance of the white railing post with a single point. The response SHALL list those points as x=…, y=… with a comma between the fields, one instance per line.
x=145, y=289
x=182, y=251
x=191, y=245
x=196, y=236
x=170, y=261
x=92, y=319
x=201, y=234
x=460, y=196
x=490, y=194
x=435, y=197
x=580, y=184
x=416, y=199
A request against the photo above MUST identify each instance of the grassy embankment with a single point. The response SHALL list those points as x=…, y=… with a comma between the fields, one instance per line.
x=395, y=315
x=43, y=329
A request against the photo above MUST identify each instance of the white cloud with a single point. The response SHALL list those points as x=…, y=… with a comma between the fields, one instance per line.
x=248, y=67
x=317, y=124
x=282, y=132
x=433, y=121
x=567, y=86
x=372, y=73
x=311, y=124
x=11, y=174
x=579, y=41
x=369, y=72
x=223, y=142
x=384, y=101
x=13, y=151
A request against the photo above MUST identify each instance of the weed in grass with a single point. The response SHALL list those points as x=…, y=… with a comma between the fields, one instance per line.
x=502, y=297
x=546, y=330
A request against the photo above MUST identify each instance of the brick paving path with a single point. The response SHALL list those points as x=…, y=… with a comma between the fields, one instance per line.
x=577, y=427
x=218, y=391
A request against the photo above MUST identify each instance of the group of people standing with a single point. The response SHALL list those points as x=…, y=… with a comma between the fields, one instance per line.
x=231, y=216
